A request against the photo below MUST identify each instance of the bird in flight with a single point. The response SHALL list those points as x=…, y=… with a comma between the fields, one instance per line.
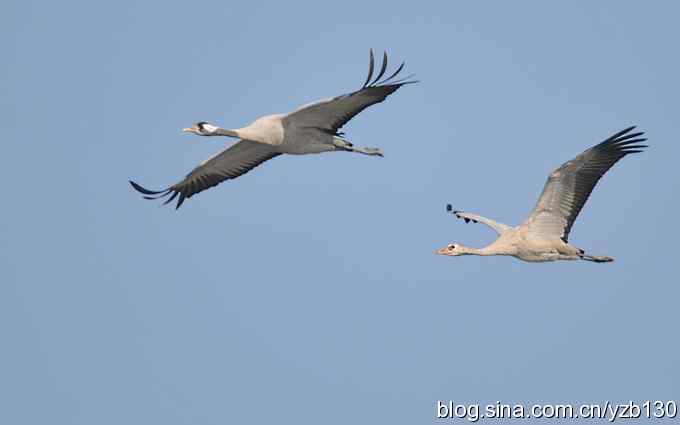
x=314, y=128
x=544, y=235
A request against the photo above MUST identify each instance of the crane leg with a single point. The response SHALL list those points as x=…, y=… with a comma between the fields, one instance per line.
x=345, y=145
x=597, y=258
x=368, y=151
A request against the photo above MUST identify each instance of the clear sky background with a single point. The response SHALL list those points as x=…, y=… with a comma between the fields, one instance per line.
x=307, y=291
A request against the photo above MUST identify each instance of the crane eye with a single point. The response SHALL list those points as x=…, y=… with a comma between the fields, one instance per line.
x=452, y=247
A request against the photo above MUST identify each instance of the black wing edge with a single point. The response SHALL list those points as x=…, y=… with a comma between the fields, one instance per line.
x=377, y=82
x=157, y=194
x=449, y=209
x=616, y=146
x=624, y=142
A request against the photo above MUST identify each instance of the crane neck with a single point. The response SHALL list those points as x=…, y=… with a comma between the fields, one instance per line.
x=493, y=249
x=225, y=132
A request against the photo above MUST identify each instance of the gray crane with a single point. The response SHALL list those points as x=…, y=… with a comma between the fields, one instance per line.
x=544, y=235
x=314, y=128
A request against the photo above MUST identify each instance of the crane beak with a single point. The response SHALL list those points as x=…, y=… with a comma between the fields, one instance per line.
x=189, y=130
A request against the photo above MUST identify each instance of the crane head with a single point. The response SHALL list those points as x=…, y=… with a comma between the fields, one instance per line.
x=451, y=250
x=202, y=128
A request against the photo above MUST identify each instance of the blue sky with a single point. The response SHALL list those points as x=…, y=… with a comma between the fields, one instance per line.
x=307, y=290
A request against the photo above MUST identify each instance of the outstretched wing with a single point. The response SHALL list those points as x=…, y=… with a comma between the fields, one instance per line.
x=331, y=114
x=227, y=164
x=569, y=186
x=500, y=228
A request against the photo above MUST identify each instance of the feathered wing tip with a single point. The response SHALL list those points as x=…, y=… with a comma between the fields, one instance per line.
x=375, y=82
x=144, y=190
x=624, y=141
x=157, y=194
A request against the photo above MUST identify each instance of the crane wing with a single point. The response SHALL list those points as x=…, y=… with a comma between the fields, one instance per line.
x=227, y=164
x=570, y=185
x=500, y=228
x=331, y=114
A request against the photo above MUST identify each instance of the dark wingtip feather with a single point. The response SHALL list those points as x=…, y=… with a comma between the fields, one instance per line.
x=631, y=148
x=143, y=190
x=626, y=130
x=402, y=81
x=376, y=82
x=371, y=65
x=383, y=68
x=180, y=201
x=620, y=133
x=622, y=140
x=629, y=142
x=167, y=201
x=394, y=74
x=630, y=136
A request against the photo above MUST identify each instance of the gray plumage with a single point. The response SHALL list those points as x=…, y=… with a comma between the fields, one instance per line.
x=544, y=236
x=569, y=186
x=314, y=128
